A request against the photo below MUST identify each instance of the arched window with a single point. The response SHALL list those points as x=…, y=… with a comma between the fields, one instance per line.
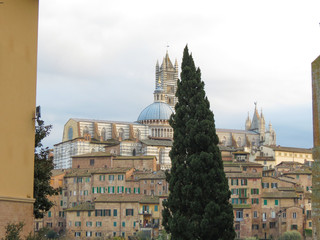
x=239, y=142
x=103, y=134
x=137, y=134
x=133, y=152
x=70, y=133
x=121, y=134
x=85, y=130
x=161, y=156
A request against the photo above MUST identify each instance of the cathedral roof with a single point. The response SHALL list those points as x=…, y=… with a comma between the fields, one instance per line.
x=156, y=111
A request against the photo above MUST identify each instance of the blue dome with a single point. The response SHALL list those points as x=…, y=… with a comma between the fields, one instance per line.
x=156, y=111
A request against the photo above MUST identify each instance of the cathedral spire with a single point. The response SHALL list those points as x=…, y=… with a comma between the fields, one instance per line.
x=255, y=125
x=248, y=122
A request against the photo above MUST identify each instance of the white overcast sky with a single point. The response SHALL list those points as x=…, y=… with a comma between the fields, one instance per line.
x=96, y=59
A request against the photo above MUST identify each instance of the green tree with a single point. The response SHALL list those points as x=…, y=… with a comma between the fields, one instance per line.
x=43, y=165
x=198, y=204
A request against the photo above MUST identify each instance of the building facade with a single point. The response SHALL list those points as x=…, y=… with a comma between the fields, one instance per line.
x=18, y=75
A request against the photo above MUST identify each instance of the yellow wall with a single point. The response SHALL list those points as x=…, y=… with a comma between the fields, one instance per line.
x=18, y=72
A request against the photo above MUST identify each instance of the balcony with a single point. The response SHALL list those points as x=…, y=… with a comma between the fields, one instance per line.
x=149, y=225
x=145, y=212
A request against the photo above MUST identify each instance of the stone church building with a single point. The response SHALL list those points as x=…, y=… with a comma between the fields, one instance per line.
x=151, y=134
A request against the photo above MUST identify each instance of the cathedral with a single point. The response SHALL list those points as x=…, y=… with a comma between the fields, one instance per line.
x=151, y=134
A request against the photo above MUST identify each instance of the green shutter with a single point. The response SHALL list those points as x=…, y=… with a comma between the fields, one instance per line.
x=258, y=190
x=113, y=190
x=93, y=190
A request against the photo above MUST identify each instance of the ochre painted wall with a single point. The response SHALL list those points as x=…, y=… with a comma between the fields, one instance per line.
x=18, y=73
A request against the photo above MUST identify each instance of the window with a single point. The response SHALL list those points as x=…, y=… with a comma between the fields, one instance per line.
x=274, y=185
x=49, y=224
x=110, y=189
x=85, y=192
x=272, y=224
x=276, y=202
x=87, y=179
x=284, y=215
x=255, y=226
x=77, y=234
x=102, y=177
x=308, y=214
x=114, y=224
x=49, y=214
x=297, y=176
x=129, y=212
x=70, y=133
x=265, y=185
x=273, y=214
x=234, y=191
x=111, y=177
x=237, y=227
x=255, y=200
x=235, y=201
x=264, y=216
x=128, y=190
x=264, y=225
x=234, y=182
x=61, y=203
x=136, y=190
x=78, y=213
x=255, y=214
x=120, y=189
x=120, y=177
x=239, y=215
x=79, y=179
x=98, y=234
x=244, y=182
x=310, y=224
x=98, y=224
x=91, y=162
x=77, y=224
x=88, y=234
x=156, y=208
x=265, y=202
x=102, y=212
x=294, y=227
x=89, y=224
x=123, y=224
x=294, y=215
x=115, y=212
x=254, y=191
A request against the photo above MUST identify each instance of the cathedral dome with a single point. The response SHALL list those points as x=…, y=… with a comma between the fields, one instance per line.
x=156, y=111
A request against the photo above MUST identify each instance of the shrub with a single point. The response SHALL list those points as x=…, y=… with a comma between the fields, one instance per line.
x=291, y=235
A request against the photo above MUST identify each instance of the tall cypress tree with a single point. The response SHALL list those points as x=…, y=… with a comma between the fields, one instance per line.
x=198, y=204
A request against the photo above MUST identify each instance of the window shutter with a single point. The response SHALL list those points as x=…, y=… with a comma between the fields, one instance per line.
x=112, y=189
x=118, y=189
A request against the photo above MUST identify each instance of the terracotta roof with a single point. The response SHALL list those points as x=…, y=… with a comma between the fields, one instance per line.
x=119, y=198
x=232, y=164
x=152, y=142
x=79, y=172
x=86, y=172
x=279, y=194
x=56, y=172
x=150, y=199
x=286, y=189
x=305, y=171
x=86, y=206
x=111, y=170
x=264, y=158
x=93, y=154
x=243, y=175
x=292, y=149
x=134, y=157
x=155, y=175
